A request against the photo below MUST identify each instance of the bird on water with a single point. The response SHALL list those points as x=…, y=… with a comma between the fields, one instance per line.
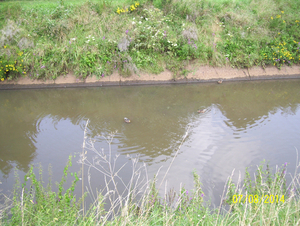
x=202, y=110
x=126, y=120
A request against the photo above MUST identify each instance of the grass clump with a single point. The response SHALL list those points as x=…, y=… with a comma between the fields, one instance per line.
x=33, y=204
x=100, y=37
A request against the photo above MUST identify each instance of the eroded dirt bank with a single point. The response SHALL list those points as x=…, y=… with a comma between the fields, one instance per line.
x=197, y=74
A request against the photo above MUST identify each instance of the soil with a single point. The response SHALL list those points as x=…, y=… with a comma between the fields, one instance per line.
x=196, y=74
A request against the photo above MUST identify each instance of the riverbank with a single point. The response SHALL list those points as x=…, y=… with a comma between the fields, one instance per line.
x=45, y=40
x=196, y=75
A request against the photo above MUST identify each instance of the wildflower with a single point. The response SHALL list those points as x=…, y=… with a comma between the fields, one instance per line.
x=213, y=34
x=103, y=37
x=126, y=32
x=227, y=58
x=4, y=47
x=284, y=21
x=278, y=16
x=279, y=33
x=271, y=18
x=133, y=22
x=43, y=66
x=2, y=79
x=282, y=12
x=140, y=22
x=202, y=194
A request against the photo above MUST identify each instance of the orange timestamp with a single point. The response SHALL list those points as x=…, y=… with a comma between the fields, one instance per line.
x=258, y=199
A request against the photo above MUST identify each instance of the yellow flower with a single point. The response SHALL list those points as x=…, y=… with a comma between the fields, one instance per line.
x=22, y=60
x=282, y=12
x=279, y=33
x=271, y=17
x=284, y=21
x=278, y=16
x=2, y=79
x=4, y=47
x=297, y=21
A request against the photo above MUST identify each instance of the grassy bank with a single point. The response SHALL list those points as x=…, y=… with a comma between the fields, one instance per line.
x=262, y=199
x=46, y=39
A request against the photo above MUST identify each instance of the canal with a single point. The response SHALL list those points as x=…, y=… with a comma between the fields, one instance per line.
x=244, y=123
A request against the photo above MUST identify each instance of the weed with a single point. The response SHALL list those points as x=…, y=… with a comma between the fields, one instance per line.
x=61, y=37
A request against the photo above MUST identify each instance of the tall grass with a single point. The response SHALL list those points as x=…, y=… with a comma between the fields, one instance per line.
x=100, y=37
x=138, y=202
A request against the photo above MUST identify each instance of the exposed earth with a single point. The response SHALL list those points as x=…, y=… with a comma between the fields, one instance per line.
x=196, y=74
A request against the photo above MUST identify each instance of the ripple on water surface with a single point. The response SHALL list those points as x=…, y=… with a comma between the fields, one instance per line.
x=244, y=124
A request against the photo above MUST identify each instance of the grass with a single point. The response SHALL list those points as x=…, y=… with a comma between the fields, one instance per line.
x=44, y=40
x=265, y=199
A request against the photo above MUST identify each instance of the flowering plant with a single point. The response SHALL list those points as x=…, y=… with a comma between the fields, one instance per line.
x=132, y=8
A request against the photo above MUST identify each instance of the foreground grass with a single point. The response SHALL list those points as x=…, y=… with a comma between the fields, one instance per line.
x=264, y=200
x=53, y=38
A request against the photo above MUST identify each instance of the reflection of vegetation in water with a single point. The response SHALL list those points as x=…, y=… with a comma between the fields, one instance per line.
x=155, y=111
x=40, y=205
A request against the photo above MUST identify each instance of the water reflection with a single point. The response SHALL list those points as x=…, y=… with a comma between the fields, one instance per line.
x=245, y=122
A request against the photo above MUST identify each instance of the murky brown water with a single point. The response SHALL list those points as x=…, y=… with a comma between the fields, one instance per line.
x=244, y=124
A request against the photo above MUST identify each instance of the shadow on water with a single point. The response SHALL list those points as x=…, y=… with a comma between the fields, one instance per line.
x=244, y=123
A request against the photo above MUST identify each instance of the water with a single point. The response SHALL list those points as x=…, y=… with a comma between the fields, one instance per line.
x=245, y=122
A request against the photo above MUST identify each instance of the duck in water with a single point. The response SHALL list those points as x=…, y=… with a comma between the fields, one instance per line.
x=126, y=120
x=202, y=110
x=220, y=81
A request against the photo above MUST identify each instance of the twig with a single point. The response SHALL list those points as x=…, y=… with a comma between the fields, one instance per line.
x=187, y=131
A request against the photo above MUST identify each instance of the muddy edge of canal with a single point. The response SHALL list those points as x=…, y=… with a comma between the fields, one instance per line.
x=195, y=75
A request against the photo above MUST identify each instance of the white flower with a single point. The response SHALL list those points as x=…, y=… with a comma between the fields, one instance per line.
x=73, y=39
x=133, y=18
x=133, y=22
x=140, y=22
x=175, y=44
x=146, y=18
